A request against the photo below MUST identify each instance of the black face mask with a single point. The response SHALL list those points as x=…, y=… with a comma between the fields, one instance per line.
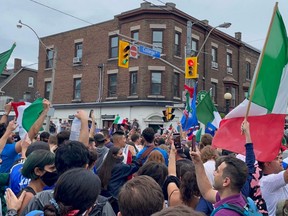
x=49, y=178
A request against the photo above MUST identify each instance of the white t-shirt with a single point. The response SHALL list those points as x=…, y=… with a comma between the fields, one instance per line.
x=209, y=167
x=274, y=189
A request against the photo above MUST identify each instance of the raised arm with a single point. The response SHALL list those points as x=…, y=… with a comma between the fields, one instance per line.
x=7, y=110
x=204, y=185
x=84, y=131
x=10, y=128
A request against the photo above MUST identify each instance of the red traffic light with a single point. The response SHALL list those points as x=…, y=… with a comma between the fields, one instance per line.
x=190, y=63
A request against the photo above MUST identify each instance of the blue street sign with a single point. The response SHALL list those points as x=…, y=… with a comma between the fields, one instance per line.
x=150, y=52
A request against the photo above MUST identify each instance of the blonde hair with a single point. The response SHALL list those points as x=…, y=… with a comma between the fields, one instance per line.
x=156, y=156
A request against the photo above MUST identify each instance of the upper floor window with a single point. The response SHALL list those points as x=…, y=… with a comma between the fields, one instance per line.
x=195, y=47
x=77, y=88
x=214, y=92
x=233, y=93
x=176, y=81
x=47, y=90
x=157, y=40
x=113, y=47
x=49, y=58
x=133, y=83
x=214, y=53
x=78, y=50
x=177, y=44
x=248, y=70
x=112, y=85
x=31, y=82
x=229, y=60
x=156, y=83
x=135, y=35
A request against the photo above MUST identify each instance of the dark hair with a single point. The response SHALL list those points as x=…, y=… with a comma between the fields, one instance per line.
x=44, y=136
x=135, y=137
x=105, y=171
x=76, y=189
x=105, y=132
x=148, y=134
x=92, y=157
x=62, y=137
x=188, y=185
x=140, y=196
x=235, y=169
x=38, y=145
x=73, y=154
x=206, y=139
x=2, y=129
x=157, y=171
x=180, y=210
x=52, y=139
x=38, y=158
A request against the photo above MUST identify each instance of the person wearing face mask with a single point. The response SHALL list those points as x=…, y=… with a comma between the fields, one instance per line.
x=113, y=175
x=39, y=167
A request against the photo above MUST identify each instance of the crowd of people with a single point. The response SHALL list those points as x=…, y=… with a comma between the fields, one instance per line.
x=132, y=172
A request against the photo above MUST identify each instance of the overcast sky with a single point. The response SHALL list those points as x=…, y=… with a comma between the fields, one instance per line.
x=251, y=17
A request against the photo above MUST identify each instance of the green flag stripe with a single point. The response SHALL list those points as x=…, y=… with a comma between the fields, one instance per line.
x=31, y=113
x=274, y=59
x=4, y=57
x=204, y=109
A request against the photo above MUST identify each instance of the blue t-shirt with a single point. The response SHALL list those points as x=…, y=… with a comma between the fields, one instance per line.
x=8, y=156
x=163, y=152
x=17, y=181
x=35, y=212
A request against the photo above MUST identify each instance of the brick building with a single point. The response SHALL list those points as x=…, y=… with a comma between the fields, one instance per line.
x=18, y=84
x=87, y=75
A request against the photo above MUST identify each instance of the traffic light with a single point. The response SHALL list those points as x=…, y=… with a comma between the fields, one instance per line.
x=123, y=54
x=168, y=114
x=191, y=67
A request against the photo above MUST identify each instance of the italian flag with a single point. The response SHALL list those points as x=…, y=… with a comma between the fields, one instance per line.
x=119, y=120
x=26, y=114
x=269, y=98
x=207, y=112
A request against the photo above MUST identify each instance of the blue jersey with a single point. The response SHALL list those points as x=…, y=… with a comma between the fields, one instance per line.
x=8, y=156
x=17, y=181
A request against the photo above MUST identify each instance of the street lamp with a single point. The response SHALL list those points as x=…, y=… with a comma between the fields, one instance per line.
x=227, y=97
x=19, y=25
x=223, y=25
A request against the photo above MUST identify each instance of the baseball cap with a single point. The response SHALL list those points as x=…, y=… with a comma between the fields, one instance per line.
x=99, y=138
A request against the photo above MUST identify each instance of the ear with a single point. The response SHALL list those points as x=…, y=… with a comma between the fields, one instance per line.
x=38, y=171
x=226, y=182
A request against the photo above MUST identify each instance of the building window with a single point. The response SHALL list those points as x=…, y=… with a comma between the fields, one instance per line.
x=176, y=81
x=229, y=60
x=31, y=82
x=78, y=50
x=214, y=54
x=214, y=92
x=157, y=40
x=47, y=90
x=49, y=58
x=77, y=89
x=114, y=47
x=112, y=85
x=248, y=70
x=135, y=35
x=133, y=83
x=195, y=46
x=156, y=82
x=233, y=100
x=177, y=44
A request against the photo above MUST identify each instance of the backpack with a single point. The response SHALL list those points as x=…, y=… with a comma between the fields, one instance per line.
x=249, y=209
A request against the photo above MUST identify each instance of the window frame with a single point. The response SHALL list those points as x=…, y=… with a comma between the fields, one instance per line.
x=177, y=43
x=194, y=42
x=31, y=82
x=214, y=54
x=133, y=33
x=49, y=58
x=248, y=70
x=214, y=92
x=229, y=60
x=115, y=48
x=157, y=85
x=158, y=43
x=133, y=84
x=47, y=86
x=176, y=85
x=76, y=89
x=78, y=46
x=111, y=91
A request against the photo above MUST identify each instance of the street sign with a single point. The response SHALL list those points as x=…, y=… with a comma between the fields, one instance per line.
x=201, y=95
x=134, y=51
x=181, y=105
x=150, y=52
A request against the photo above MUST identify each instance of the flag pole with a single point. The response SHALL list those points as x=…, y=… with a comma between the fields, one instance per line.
x=260, y=62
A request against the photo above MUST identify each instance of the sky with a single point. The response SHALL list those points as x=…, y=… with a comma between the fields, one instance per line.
x=251, y=17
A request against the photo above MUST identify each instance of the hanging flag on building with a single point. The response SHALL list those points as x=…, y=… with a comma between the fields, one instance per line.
x=207, y=114
x=269, y=98
x=26, y=114
x=4, y=57
x=189, y=118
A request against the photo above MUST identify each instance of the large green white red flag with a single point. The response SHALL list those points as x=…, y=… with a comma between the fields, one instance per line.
x=268, y=103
